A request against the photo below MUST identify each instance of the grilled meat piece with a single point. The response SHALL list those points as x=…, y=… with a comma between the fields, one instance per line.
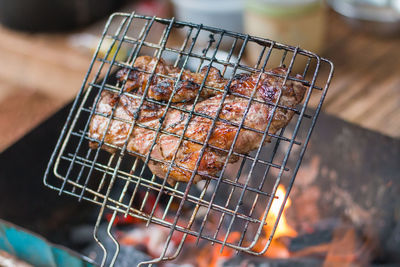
x=162, y=84
x=187, y=152
x=143, y=134
x=161, y=87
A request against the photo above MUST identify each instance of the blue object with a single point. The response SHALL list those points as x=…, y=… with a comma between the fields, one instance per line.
x=37, y=251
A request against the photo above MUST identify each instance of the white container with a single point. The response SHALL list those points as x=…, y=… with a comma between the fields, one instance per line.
x=293, y=22
x=224, y=14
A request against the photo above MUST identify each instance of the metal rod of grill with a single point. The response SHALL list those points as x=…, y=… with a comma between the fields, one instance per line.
x=240, y=195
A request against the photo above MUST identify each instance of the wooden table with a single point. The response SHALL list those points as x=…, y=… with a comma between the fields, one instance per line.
x=366, y=86
x=39, y=73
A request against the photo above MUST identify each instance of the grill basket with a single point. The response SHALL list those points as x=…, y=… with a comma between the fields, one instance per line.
x=240, y=197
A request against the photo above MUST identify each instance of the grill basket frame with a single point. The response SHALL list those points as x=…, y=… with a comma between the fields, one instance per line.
x=83, y=166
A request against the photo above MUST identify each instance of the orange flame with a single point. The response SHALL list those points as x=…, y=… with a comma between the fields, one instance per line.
x=277, y=248
x=283, y=229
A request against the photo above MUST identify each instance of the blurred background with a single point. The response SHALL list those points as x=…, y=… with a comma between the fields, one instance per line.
x=46, y=47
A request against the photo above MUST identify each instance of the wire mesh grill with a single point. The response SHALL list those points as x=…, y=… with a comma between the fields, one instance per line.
x=239, y=198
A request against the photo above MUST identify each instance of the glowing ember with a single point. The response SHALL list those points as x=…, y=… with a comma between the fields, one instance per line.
x=152, y=238
x=211, y=256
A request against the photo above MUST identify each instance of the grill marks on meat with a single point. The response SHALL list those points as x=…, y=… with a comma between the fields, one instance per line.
x=162, y=85
x=188, y=152
x=118, y=131
x=141, y=139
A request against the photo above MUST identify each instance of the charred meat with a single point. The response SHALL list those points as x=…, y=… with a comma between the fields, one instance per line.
x=182, y=155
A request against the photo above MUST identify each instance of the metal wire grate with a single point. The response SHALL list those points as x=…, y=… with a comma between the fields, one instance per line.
x=240, y=197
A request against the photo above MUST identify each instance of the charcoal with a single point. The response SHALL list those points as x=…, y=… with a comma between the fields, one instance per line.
x=313, y=239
